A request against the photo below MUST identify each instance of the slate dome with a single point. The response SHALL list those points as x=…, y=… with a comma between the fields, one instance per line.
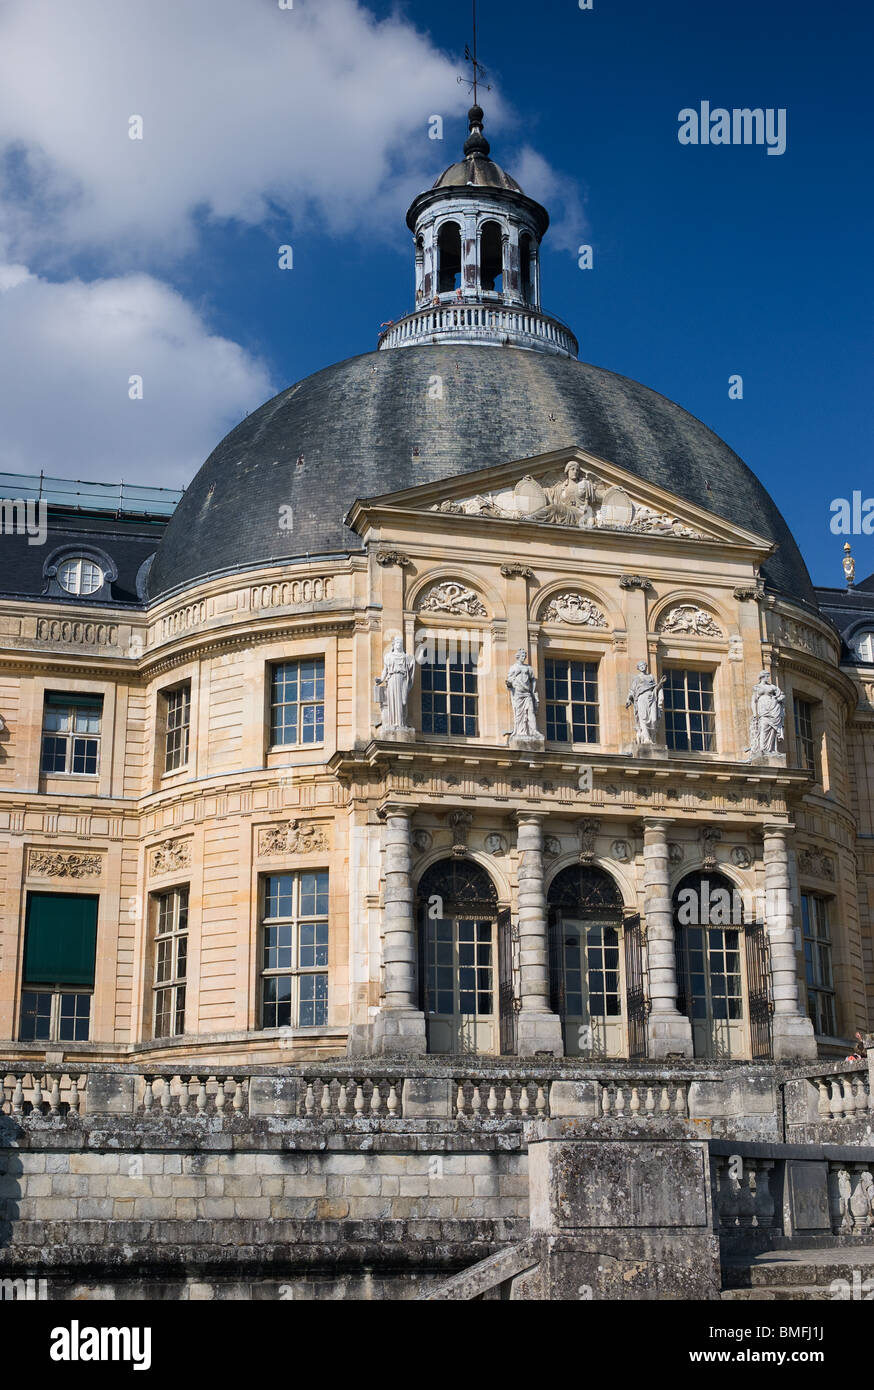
x=368, y=426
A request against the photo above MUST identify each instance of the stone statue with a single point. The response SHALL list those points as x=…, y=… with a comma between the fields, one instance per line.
x=392, y=689
x=769, y=716
x=647, y=698
x=522, y=685
x=572, y=501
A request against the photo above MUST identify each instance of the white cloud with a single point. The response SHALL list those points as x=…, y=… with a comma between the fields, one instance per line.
x=319, y=111
x=559, y=195
x=68, y=351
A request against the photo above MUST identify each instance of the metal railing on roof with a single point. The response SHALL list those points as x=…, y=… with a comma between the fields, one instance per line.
x=122, y=499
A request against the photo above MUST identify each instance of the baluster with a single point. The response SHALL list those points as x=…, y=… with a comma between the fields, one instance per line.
x=863, y=1099
x=822, y=1106
x=359, y=1099
x=342, y=1095
x=239, y=1100
x=619, y=1106
x=729, y=1206
x=476, y=1101
x=834, y=1197
x=165, y=1095
x=220, y=1095
x=746, y=1197
x=148, y=1094
x=74, y=1093
x=492, y=1102
x=540, y=1104
x=459, y=1099
x=309, y=1101
x=507, y=1106
x=18, y=1096
x=605, y=1098
x=680, y=1101
x=201, y=1101
x=849, y=1097
x=859, y=1199
x=37, y=1093
x=634, y=1103
x=845, y=1192
x=524, y=1101
x=54, y=1094
x=650, y=1100
x=184, y=1092
x=325, y=1099
x=376, y=1100
x=837, y=1100
x=764, y=1200
x=393, y=1102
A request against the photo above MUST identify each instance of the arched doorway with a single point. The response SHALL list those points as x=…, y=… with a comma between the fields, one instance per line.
x=709, y=932
x=448, y=257
x=585, y=966
x=459, y=975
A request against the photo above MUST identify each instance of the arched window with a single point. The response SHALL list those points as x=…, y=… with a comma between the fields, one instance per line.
x=491, y=257
x=448, y=258
x=585, y=930
x=459, y=979
x=526, y=265
x=862, y=643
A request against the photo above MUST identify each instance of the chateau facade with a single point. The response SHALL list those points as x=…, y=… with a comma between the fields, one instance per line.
x=459, y=672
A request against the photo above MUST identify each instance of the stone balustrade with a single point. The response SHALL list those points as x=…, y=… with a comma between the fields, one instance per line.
x=643, y=1097
x=742, y=1191
x=360, y=1097
x=851, y=1197
x=521, y=325
x=27, y=1092
x=196, y=1093
x=830, y=1102
x=843, y=1096
x=513, y=1097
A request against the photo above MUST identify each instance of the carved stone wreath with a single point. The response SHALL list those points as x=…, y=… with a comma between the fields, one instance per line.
x=450, y=597
x=814, y=861
x=55, y=864
x=293, y=837
x=170, y=856
x=573, y=608
x=687, y=619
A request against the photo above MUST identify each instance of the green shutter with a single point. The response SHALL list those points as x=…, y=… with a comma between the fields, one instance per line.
x=73, y=697
x=61, y=939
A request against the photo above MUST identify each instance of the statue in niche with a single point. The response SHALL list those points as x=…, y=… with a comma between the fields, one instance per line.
x=522, y=685
x=647, y=698
x=392, y=689
x=769, y=717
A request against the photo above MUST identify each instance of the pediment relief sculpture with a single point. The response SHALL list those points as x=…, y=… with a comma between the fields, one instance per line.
x=573, y=608
x=449, y=597
x=688, y=620
x=293, y=837
x=574, y=497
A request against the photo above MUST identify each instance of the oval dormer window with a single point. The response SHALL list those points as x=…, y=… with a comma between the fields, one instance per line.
x=80, y=576
x=863, y=645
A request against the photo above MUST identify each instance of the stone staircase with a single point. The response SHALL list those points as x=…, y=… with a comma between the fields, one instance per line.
x=823, y=1275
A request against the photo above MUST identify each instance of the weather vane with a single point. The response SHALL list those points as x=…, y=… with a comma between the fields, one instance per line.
x=479, y=71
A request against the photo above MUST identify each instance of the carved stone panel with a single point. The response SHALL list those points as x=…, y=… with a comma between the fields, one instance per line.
x=453, y=598
x=687, y=619
x=293, y=837
x=575, y=609
x=815, y=862
x=43, y=863
x=170, y=856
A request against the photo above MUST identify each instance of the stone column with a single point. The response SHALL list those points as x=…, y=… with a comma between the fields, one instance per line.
x=669, y=1033
x=539, y=1029
x=400, y=1025
x=791, y=1030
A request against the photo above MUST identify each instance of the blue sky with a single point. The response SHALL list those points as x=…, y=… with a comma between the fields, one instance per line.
x=310, y=127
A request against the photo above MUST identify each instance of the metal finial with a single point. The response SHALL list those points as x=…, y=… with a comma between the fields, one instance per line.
x=848, y=565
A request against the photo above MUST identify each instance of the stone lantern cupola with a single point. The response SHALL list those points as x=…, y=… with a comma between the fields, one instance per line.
x=477, y=241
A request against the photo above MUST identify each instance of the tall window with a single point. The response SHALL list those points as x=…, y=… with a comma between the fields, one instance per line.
x=689, y=718
x=449, y=698
x=171, y=961
x=818, y=964
x=71, y=734
x=572, y=701
x=298, y=702
x=295, y=950
x=60, y=944
x=804, y=740
x=178, y=715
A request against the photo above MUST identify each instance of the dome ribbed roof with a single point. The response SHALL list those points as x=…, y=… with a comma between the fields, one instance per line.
x=369, y=426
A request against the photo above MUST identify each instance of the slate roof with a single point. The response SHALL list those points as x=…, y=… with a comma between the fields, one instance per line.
x=371, y=425
x=127, y=541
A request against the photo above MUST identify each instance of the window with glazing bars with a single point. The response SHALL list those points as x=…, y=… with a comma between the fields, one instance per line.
x=294, y=974
x=171, y=962
x=178, y=712
x=71, y=734
x=572, y=701
x=805, y=744
x=298, y=702
x=818, y=964
x=689, y=717
x=450, y=698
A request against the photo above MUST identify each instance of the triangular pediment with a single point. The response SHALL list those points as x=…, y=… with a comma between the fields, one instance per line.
x=568, y=489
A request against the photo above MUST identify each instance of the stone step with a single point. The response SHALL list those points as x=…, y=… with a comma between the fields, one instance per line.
x=813, y=1273
x=786, y=1293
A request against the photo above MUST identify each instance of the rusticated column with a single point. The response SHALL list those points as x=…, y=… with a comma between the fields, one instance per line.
x=400, y=1025
x=669, y=1032
x=539, y=1029
x=791, y=1029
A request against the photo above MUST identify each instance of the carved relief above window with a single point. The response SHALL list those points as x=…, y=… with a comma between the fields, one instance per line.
x=573, y=608
x=293, y=837
x=688, y=620
x=816, y=863
x=449, y=597
x=170, y=856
